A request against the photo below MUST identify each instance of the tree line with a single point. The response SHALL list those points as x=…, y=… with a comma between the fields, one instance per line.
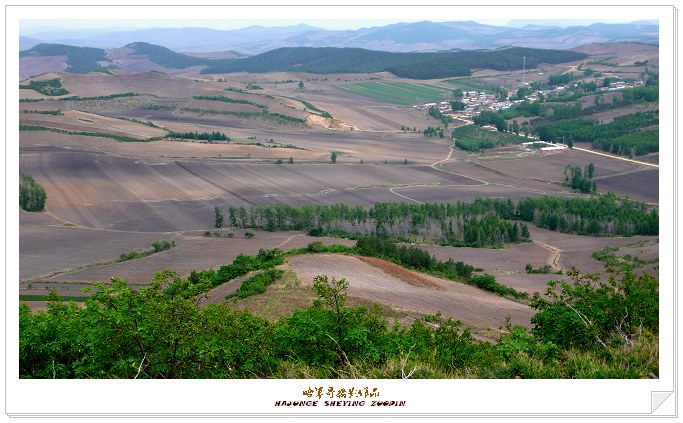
x=603, y=215
x=477, y=224
x=484, y=222
x=205, y=136
x=327, y=60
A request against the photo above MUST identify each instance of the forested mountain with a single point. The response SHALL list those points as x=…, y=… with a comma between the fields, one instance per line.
x=166, y=57
x=78, y=59
x=408, y=65
x=321, y=60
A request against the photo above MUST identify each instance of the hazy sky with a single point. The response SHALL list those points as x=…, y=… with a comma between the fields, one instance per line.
x=37, y=25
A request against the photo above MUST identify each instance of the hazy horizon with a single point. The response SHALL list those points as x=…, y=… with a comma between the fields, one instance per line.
x=29, y=27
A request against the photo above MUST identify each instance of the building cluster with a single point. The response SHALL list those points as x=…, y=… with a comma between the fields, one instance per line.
x=476, y=102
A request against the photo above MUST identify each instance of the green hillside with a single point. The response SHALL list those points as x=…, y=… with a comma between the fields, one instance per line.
x=408, y=65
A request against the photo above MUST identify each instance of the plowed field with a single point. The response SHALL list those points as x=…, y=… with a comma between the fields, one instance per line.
x=476, y=308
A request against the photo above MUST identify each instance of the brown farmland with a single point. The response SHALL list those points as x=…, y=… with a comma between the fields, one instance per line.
x=476, y=308
x=107, y=197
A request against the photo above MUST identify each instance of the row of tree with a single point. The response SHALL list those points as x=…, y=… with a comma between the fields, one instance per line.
x=597, y=216
x=205, y=136
x=482, y=222
x=473, y=224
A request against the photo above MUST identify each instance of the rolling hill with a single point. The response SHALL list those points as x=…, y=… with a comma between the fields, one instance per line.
x=325, y=60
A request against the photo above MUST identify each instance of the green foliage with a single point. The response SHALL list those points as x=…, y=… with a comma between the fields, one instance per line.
x=101, y=97
x=218, y=212
x=333, y=157
x=436, y=114
x=327, y=60
x=433, y=132
x=104, y=70
x=120, y=138
x=625, y=262
x=482, y=223
x=155, y=333
x=457, y=105
x=204, y=280
x=157, y=247
x=561, y=79
x=51, y=87
x=315, y=109
x=162, y=245
x=581, y=180
x=544, y=270
x=124, y=333
x=603, y=215
x=334, y=335
x=488, y=117
x=474, y=139
x=259, y=283
x=633, y=144
x=589, y=313
x=603, y=135
x=32, y=195
x=229, y=100
x=57, y=112
x=206, y=136
x=488, y=283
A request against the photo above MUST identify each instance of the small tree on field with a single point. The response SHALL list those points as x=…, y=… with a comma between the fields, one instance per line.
x=333, y=157
x=291, y=160
x=301, y=85
x=219, y=216
x=590, y=169
x=31, y=195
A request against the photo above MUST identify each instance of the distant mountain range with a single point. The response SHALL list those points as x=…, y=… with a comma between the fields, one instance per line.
x=401, y=37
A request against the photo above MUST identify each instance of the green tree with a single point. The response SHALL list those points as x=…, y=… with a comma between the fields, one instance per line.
x=291, y=160
x=32, y=195
x=301, y=85
x=515, y=127
x=333, y=157
x=589, y=313
x=219, y=217
x=590, y=169
x=501, y=93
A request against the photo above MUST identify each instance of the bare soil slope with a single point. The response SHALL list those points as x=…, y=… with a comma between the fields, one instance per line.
x=474, y=307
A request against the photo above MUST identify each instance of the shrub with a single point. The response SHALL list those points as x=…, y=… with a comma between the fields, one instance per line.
x=32, y=195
